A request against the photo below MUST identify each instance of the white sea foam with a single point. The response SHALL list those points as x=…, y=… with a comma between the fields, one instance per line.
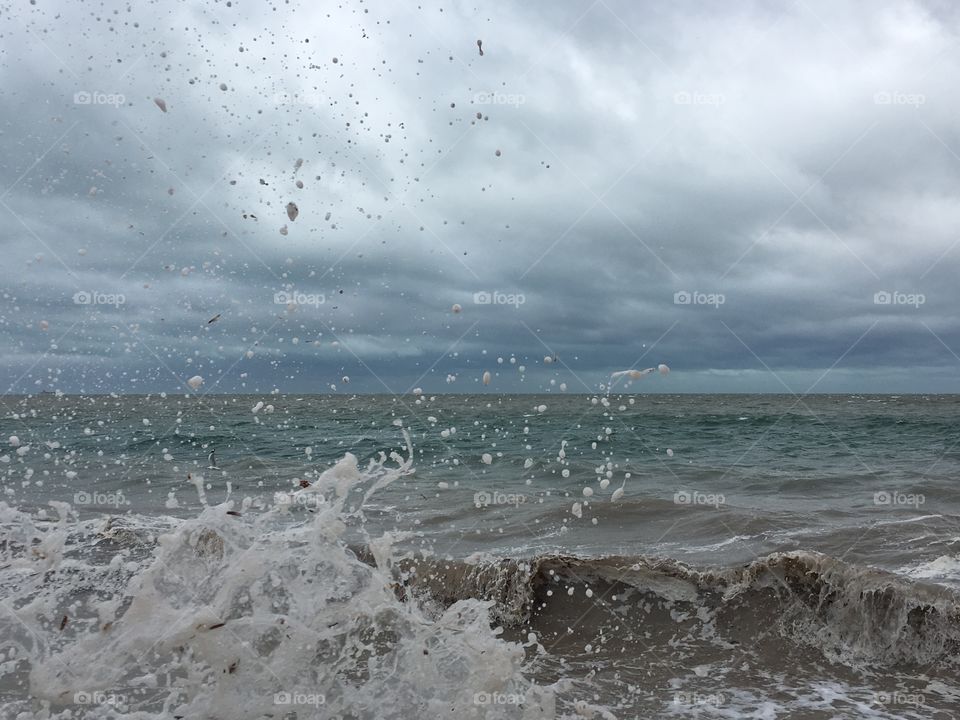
x=242, y=613
x=944, y=570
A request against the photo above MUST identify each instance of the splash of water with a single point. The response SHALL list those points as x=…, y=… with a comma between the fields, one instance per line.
x=242, y=612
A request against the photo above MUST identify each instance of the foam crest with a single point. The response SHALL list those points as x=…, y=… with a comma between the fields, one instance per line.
x=246, y=614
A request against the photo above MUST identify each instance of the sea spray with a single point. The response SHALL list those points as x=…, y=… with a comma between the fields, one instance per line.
x=243, y=615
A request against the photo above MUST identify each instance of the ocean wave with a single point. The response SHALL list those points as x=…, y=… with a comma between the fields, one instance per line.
x=239, y=613
x=855, y=615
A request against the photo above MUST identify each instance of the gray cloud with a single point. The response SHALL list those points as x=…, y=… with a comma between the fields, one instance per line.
x=794, y=162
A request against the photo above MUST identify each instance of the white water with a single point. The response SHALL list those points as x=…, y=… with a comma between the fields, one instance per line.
x=227, y=616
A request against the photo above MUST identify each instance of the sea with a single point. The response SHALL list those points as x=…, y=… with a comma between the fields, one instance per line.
x=479, y=556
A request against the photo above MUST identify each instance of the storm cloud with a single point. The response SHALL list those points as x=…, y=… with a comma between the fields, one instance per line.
x=762, y=196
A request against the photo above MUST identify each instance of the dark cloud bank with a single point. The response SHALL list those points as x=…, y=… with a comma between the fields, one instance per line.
x=763, y=196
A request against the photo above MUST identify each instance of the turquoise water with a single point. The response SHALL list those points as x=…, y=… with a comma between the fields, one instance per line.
x=765, y=556
x=713, y=478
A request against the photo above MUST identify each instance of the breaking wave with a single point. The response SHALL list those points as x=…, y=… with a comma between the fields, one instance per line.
x=241, y=612
x=855, y=615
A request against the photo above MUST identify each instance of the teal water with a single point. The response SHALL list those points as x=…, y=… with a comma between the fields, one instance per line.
x=691, y=556
x=872, y=478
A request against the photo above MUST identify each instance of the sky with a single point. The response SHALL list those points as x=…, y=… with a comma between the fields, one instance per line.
x=761, y=195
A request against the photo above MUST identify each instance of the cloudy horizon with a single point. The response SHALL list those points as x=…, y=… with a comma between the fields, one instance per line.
x=761, y=197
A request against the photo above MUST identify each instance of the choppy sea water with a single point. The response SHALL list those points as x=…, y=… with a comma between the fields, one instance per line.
x=480, y=556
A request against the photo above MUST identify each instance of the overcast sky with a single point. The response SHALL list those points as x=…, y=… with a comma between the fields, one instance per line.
x=764, y=196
